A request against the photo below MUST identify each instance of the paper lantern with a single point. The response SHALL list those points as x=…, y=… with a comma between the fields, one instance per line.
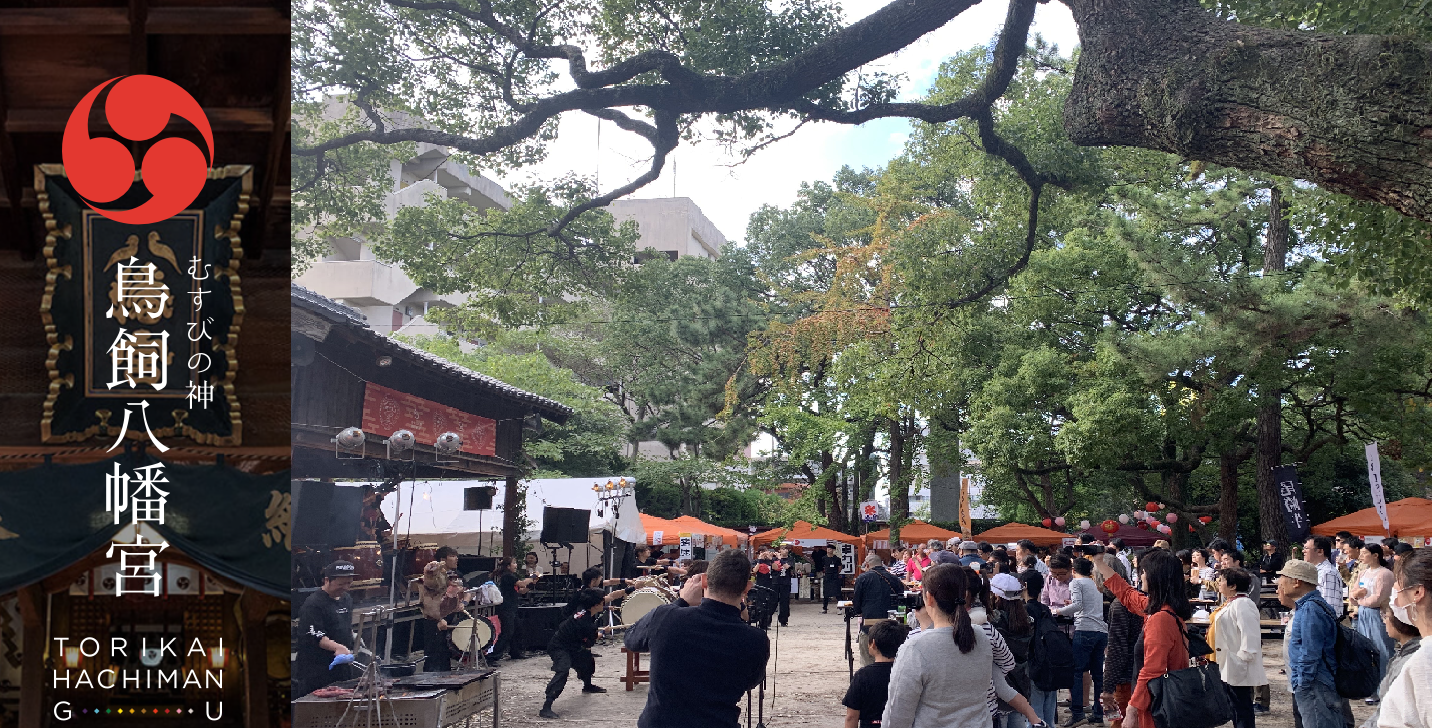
x=1206, y=519
x=1171, y=518
x=1190, y=529
x=1165, y=529
x=1059, y=521
x=1084, y=524
x=1109, y=526
x=1162, y=507
x=1152, y=506
x=1123, y=518
x=1047, y=522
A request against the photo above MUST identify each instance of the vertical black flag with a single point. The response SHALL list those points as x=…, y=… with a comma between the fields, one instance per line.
x=1290, y=497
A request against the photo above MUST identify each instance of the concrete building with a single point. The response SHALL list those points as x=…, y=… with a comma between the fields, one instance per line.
x=351, y=273
x=672, y=225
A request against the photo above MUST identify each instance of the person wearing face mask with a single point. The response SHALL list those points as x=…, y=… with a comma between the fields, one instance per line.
x=1408, y=702
x=1408, y=640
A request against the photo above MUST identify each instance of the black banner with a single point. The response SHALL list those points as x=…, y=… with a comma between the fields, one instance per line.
x=1290, y=500
x=143, y=312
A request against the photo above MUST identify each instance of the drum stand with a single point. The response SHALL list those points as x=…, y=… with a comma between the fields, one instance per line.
x=474, y=658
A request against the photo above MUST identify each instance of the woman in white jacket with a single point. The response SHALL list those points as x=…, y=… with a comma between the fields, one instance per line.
x=1237, y=640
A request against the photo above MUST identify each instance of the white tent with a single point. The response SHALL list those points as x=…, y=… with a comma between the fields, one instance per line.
x=431, y=511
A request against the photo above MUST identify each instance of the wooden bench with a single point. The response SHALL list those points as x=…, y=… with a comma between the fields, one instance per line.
x=634, y=673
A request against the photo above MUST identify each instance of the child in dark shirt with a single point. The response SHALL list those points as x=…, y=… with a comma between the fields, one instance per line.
x=571, y=647
x=865, y=699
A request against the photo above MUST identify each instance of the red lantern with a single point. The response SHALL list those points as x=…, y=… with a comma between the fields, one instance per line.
x=1109, y=526
x=1047, y=522
x=1151, y=506
x=1190, y=529
x=1206, y=519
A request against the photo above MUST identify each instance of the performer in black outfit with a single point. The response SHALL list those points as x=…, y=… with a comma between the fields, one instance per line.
x=831, y=582
x=784, y=569
x=703, y=658
x=571, y=648
x=505, y=577
x=325, y=625
x=765, y=570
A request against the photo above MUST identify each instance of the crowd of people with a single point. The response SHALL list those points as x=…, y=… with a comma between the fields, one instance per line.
x=1101, y=622
x=1095, y=624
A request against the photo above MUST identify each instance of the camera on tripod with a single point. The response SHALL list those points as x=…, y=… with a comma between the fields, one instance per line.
x=761, y=603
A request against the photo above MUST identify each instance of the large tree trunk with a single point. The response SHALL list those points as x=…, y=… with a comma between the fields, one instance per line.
x=1228, y=462
x=1270, y=396
x=899, y=493
x=1352, y=113
x=511, y=528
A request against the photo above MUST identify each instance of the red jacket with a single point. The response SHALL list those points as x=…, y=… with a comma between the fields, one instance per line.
x=1164, y=647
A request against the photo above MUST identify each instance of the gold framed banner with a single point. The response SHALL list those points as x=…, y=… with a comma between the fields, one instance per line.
x=147, y=313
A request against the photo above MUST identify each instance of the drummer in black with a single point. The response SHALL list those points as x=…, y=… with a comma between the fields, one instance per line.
x=765, y=570
x=571, y=648
x=325, y=626
x=784, y=569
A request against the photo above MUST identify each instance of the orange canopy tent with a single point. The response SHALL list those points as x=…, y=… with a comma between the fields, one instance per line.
x=803, y=531
x=671, y=530
x=729, y=536
x=1410, y=517
x=913, y=532
x=1012, y=532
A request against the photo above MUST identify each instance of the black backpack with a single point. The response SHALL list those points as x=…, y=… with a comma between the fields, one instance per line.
x=1355, y=672
x=1051, y=654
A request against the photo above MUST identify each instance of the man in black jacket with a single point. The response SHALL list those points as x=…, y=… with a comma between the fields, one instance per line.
x=571, y=648
x=875, y=593
x=703, y=658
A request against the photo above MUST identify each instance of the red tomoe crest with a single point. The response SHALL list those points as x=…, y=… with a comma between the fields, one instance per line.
x=102, y=169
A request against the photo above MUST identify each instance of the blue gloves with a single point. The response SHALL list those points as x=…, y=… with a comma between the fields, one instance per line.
x=340, y=660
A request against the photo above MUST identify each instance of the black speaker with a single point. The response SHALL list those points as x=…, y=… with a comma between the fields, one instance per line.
x=536, y=625
x=326, y=515
x=478, y=498
x=481, y=566
x=565, y=525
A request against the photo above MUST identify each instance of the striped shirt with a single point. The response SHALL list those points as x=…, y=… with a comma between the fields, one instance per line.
x=1330, y=584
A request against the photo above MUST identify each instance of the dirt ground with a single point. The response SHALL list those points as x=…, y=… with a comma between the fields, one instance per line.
x=808, y=677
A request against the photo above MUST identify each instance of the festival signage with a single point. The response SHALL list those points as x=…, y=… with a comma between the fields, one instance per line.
x=1374, y=479
x=1290, y=500
x=965, y=522
x=386, y=411
x=147, y=311
x=869, y=511
x=684, y=549
x=847, y=555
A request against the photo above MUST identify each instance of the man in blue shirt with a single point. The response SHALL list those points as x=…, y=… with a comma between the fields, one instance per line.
x=1312, y=634
x=969, y=555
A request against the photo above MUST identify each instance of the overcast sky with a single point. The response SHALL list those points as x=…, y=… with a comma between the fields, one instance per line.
x=728, y=195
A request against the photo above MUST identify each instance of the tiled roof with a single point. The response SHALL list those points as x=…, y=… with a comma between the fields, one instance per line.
x=358, y=323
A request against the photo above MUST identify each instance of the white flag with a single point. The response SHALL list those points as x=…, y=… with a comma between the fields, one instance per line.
x=1374, y=477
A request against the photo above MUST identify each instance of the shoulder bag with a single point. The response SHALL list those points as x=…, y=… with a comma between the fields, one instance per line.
x=1194, y=697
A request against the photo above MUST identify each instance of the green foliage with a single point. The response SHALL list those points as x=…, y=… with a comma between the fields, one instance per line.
x=587, y=445
x=512, y=275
